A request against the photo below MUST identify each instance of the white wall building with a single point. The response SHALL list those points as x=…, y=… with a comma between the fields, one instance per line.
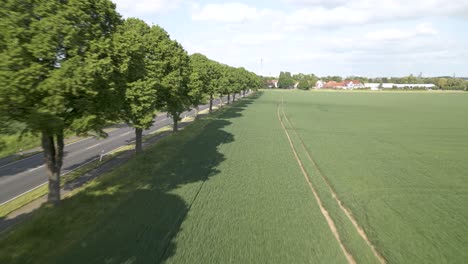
x=319, y=84
x=376, y=86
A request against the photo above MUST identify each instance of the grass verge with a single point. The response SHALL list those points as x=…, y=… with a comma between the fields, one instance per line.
x=42, y=190
x=98, y=201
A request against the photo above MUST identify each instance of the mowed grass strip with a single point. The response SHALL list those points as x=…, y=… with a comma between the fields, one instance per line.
x=223, y=190
x=397, y=161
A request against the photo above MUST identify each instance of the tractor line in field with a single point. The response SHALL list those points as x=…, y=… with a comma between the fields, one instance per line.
x=326, y=215
x=345, y=210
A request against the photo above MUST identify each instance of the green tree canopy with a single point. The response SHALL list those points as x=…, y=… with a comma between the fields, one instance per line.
x=200, y=79
x=304, y=85
x=136, y=53
x=175, y=90
x=285, y=80
x=52, y=63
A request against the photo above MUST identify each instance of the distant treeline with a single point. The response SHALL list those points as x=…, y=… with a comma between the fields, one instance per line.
x=306, y=81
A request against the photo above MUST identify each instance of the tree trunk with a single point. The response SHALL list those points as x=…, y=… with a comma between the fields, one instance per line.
x=244, y=93
x=221, y=100
x=53, y=158
x=175, y=119
x=211, y=103
x=229, y=98
x=233, y=97
x=138, y=140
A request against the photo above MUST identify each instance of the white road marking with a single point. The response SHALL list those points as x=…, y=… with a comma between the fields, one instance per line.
x=14, y=162
x=23, y=193
x=161, y=120
x=33, y=169
x=93, y=146
x=78, y=141
x=124, y=134
x=30, y=190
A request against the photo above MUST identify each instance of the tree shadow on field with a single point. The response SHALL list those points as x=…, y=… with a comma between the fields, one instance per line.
x=237, y=107
x=133, y=214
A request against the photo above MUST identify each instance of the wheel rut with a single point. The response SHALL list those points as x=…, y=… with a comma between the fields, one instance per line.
x=331, y=224
x=345, y=210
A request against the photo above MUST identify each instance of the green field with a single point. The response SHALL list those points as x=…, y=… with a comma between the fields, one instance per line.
x=398, y=162
x=229, y=188
x=13, y=141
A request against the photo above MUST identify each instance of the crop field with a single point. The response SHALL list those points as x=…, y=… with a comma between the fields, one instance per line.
x=396, y=161
x=283, y=177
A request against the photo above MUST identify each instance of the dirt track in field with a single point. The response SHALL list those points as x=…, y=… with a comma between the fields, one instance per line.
x=324, y=211
x=345, y=210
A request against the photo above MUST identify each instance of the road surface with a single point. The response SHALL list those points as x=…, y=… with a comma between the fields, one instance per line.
x=21, y=176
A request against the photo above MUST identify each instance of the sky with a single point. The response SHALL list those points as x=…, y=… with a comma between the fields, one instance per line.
x=373, y=38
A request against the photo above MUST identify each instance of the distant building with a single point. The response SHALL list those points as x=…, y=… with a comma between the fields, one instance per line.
x=415, y=85
x=330, y=85
x=319, y=84
x=272, y=83
x=347, y=84
x=377, y=86
x=372, y=86
x=353, y=84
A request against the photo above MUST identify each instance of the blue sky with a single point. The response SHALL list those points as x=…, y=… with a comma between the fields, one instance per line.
x=326, y=37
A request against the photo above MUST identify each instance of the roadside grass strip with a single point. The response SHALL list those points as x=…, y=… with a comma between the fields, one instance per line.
x=41, y=190
x=67, y=177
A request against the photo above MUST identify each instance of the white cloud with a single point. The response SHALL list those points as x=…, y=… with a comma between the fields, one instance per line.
x=369, y=37
x=141, y=8
x=327, y=3
x=402, y=34
x=230, y=12
x=258, y=39
x=322, y=17
x=321, y=13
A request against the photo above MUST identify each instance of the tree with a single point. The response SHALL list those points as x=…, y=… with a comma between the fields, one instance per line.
x=285, y=80
x=137, y=46
x=303, y=85
x=333, y=78
x=244, y=79
x=225, y=82
x=442, y=83
x=175, y=85
x=214, y=71
x=239, y=81
x=199, y=79
x=52, y=59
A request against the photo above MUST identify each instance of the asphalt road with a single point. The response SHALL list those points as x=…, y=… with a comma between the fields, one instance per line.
x=19, y=177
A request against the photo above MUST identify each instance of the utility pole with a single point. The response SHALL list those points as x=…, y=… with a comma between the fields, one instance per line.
x=261, y=66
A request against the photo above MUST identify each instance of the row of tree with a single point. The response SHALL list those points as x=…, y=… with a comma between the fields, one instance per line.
x=305, y=81
x=76, y=65
x=301, y=81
